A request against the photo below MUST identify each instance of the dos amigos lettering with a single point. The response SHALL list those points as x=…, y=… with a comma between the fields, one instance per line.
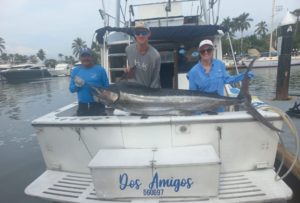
x=156, y=183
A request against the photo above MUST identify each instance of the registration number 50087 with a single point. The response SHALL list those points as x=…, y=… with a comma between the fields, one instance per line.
x=153, y=192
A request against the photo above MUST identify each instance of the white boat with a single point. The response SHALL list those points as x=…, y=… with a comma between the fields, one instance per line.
x=2, y=68
x=25, y=72
x=227, y=157
x=270, y=61
x=61, y=69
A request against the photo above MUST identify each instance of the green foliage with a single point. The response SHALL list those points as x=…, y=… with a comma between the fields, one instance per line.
x=50, y=63
x=18, y=58
x=261, y=28
x=5, y=57
x=41, y=55
x=296, y=43
x=250, y=42
x=229, y=24
x=77, y=44
x=60, y=56
x=2, y=46
x=96, y=49
x=70, y=60
x=32, y=59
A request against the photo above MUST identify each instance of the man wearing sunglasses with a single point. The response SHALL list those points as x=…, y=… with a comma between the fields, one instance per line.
x=209, y=74
x=143, y=59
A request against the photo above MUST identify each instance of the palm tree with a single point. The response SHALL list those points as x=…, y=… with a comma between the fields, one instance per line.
x=77, y=44
x=60, y=56
x=297, y=14
x=96, y=49
x=261, y=29
x=11, y=58
x=228, y=23
x=242, y=24
x=2, y=46
x=70, y=59
x=41, y=55
x=33, y=59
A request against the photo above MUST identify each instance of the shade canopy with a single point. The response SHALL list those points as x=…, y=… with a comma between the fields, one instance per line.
x=169, y=33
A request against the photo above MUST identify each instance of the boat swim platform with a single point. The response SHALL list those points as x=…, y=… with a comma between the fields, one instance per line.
x=242, y=187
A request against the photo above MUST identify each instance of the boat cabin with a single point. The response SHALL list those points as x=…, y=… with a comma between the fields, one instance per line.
x=178, y=51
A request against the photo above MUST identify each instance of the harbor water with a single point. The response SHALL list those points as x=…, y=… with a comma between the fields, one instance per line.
x=20, y=157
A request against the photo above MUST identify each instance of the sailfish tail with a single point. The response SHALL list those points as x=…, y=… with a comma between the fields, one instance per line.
x=244, y=95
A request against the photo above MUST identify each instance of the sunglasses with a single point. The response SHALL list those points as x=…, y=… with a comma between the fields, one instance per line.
x=209, y=50
x=141, y=32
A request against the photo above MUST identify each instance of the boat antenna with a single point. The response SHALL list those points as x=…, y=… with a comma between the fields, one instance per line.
x=218, y=12
x=117, y=19
x=126, y=1
x=103, y=5
x=204, y=9
x=192, y=8
x=232, y=52
x=272, y=21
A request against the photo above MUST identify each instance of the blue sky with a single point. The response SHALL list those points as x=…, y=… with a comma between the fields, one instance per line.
x=28, y=25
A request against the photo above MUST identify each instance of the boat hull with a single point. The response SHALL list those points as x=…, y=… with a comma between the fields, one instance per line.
x=270, y=62
x=87, y=135
x=25, y=74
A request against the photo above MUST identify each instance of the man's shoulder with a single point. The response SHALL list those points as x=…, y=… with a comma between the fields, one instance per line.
x=130, y=47
x=194, y=69
x=153, y=50
x=76, y=68
x=218, y=62
x=98, y=67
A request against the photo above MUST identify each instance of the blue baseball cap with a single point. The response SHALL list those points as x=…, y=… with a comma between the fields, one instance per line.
x=85, y=52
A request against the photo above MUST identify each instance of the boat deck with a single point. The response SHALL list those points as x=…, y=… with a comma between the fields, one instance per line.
x=251, y=186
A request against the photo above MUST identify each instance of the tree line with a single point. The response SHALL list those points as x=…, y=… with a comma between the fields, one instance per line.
x=259, y=40
x=77, y=44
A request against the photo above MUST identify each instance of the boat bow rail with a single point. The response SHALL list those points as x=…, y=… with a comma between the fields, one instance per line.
x=67, y=116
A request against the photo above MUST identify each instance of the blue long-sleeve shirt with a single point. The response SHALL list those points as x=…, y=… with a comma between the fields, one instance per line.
x=214, y=81
x=93, y=76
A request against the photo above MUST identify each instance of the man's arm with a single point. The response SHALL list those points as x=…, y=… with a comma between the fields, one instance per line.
x=104, y=78
x=192, y=83
x=72, y=87
x=155, y=80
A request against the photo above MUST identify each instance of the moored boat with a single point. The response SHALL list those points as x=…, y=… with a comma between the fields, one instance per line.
x=270, y=61
x=25, y=72
x=61, y=69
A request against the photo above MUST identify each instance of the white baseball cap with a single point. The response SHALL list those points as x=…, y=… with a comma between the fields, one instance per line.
x=206, y=42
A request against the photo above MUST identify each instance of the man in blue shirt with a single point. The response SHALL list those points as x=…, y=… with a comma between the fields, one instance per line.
x=210, y=75
x=83, y=77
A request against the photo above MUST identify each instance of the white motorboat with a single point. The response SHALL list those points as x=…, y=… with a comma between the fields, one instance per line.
x=2, y=68
x=228, y=157
x=25, y=72
x=270, y=61
x=61, y=69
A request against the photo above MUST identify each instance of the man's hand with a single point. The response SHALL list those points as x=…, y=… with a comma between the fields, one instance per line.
x=126, y=69
x=79, y=82
x=129, y=72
